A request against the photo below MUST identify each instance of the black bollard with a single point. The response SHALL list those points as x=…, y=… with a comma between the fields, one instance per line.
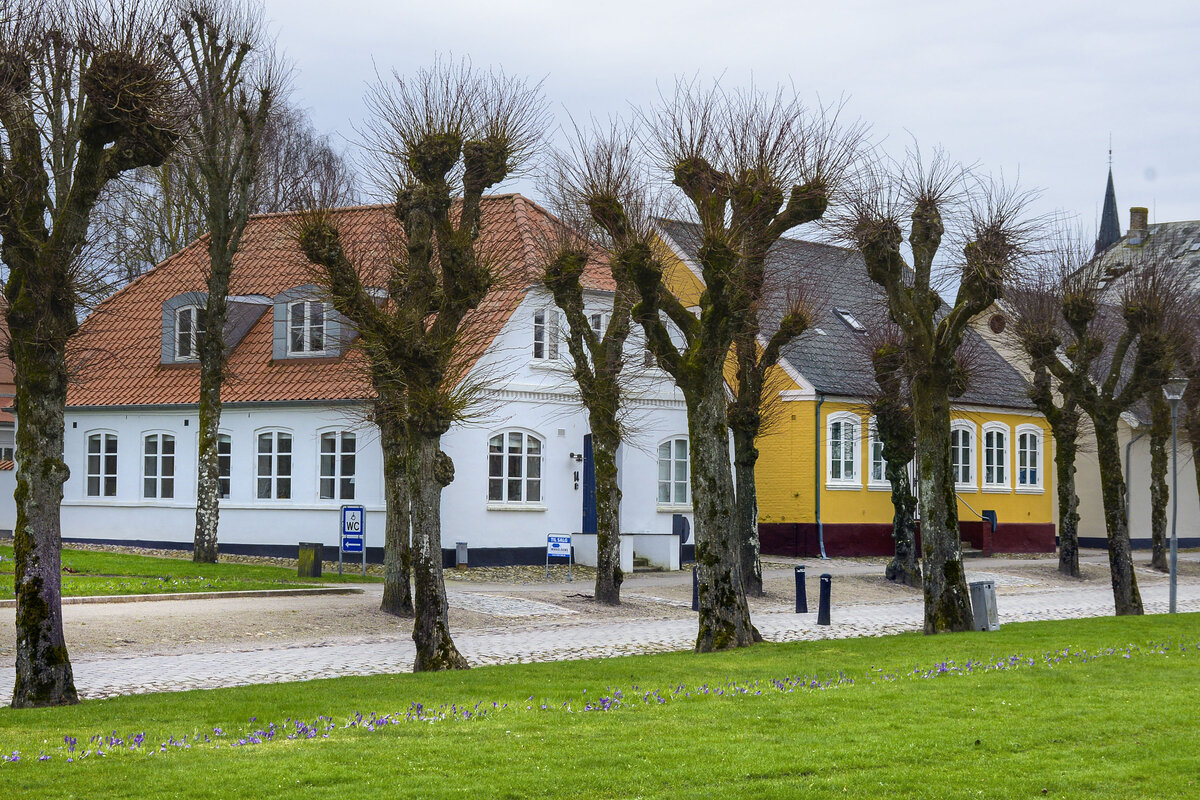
x=695, y=589
x=801, y=592
x=823, y=610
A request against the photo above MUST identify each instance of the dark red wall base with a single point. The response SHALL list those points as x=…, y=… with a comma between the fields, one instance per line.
x=799, y=539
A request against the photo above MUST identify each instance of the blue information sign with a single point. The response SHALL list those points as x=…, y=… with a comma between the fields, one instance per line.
x=353, y=534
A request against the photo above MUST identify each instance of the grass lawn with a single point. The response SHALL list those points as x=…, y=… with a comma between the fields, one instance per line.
x=89, y=573
x=1087, y=708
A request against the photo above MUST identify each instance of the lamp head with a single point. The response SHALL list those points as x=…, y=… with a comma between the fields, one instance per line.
x=1173, y=389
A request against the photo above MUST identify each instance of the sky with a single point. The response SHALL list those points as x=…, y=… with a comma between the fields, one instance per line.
x=1027, y=90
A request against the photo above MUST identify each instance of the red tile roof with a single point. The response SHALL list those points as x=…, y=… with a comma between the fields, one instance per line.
x=116, y=356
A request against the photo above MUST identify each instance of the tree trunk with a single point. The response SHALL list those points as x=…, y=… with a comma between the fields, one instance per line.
x=1068, y=501
x=746, y=499
x=208, y=478
x=608, y=517
x=1160, y=492
x=905, y=566
x=397, y=551
x=947, y=602
x=724, y=615
x=1112, y=487
x=431, y=471
x=44, y=676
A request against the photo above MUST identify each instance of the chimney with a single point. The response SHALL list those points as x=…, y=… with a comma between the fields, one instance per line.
x=1138, y=216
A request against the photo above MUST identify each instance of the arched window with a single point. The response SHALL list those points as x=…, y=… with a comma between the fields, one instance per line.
x=274, y=465
x=515, y=468
x=962, y=454
x=306, y=327
x=189, y=330
x=843, y=433
x=158, y=466
x=338, y=457
x=995, y=457
x=673, y=472
x=1029, y=458
x=102, y=464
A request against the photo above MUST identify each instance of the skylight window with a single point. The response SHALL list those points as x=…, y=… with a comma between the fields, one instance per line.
x=850, y=320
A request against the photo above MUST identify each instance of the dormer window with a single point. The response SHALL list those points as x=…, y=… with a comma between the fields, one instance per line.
x=306, y=327
x=189, y=330
x=850, y=320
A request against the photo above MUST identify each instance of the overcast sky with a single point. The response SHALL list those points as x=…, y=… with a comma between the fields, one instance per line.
x=1033, y=88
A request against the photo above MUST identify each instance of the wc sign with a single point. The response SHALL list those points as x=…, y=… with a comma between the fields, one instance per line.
x=353, y=535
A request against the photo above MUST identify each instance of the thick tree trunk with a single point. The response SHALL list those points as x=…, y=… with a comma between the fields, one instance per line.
x=1112, y=488
x=947, y=602
x=746, y=499
x=44, y=676
x=1160, y=492
x=1068, y=502
x=431, y=470
x=397, y=550
x=208, y=478
x=905, y=566
x=724, y=615
x=608, y=517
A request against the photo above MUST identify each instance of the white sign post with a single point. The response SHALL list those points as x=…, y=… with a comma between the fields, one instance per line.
x=558, y=547
x=353, y=537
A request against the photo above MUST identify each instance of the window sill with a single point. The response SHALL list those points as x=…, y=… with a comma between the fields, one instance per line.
x=1030, y=490
x=673, y=508
x=515, y=507
x=997, y=489
x=963, y=488
x=843, y=487
x=879, y=486
x=549, y=364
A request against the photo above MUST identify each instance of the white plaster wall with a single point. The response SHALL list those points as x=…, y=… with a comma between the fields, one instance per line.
x=8, y=507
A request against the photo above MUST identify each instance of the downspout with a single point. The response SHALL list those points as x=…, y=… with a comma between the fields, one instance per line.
x=819, y=463
x=1128, y=456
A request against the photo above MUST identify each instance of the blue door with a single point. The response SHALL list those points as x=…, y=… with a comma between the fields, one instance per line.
x=589, y=488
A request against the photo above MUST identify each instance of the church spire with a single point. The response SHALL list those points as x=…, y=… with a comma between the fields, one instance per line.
x=1110, y=223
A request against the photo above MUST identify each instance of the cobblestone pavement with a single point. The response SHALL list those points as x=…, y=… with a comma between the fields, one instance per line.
x=564, y=638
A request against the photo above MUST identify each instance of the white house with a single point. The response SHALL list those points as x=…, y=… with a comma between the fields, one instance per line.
x=296, y=441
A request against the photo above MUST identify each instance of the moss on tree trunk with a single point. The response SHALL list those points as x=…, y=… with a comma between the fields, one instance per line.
x=397, y=550
x=746, y=498
x=1068, y=500
x=1126, y=597
x=609, y=576
x=1160, y=492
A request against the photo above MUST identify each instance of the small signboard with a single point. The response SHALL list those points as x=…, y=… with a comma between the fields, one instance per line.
x=558, y=546
x=353, y=535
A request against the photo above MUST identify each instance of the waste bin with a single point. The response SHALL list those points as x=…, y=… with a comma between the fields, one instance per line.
x=460, y=555
x=983, y=606
x=309, y=561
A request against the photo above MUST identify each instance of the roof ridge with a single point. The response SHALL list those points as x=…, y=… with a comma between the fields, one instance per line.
x=796, y=240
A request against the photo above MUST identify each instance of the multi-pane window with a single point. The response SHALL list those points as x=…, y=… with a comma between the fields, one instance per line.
x=546, y=325
x=274, y=464
x=102, y=465
x=962, y=455
x=7, y=444
x=1029, y=459
x=673, y=472
x=878, y=463
x=337, y=465
x=843, y=449
x=514, y=468
x=224, y=463
x=158, y=465
x=995, y=457
x=598, y=322
x=306, y=326
x=189, y=330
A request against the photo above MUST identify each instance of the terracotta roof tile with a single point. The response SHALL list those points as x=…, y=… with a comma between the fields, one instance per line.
x=116, y=356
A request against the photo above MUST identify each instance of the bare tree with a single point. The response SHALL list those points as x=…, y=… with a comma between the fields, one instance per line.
x=297, y=162
x=1160, y=490
x=85, y=95
x=232, y=81
x=446, y=135
x=992, y=235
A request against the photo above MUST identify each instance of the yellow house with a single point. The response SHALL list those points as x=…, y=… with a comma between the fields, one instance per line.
x=820, y=474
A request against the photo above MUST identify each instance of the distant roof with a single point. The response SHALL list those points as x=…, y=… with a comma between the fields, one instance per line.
x=832, y=355
x=115, y=357
x=1178, y=241
x=1110, y=222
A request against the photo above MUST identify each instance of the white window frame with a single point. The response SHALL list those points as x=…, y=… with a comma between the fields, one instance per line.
x=102, y=473
x=307, y=328
x=1004, y=485
x=972, y=457
x=841, y=419
x=1040, y=436
x=338, y=474
x=673, y=483
x=526, y=460
x=224, y=482
x=8, y=444
x=546, y=345
x=160, y=461
x=276, y=474
x=875, y=448
x=194, y=314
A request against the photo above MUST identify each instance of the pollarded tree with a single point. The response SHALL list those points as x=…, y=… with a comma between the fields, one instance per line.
x=445, y=136
x=1160, y=490
x=85, y=95
x=223, y=60
x=919, y=199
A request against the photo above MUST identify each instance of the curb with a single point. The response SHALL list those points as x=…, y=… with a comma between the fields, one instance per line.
x=151, y=598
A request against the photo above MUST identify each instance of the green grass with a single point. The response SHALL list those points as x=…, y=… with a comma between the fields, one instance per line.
x=1105, y=726
x=91, y=573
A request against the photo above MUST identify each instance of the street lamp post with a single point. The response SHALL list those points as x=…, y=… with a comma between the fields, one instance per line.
x=1173, y=390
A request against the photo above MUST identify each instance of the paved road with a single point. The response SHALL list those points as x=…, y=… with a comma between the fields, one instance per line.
x=564, y=639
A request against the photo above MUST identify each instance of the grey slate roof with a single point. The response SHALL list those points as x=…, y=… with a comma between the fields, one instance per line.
x=831, y=355
x=1110, y=223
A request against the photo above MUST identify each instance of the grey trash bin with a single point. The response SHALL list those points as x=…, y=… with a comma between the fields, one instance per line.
x=983, y=606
